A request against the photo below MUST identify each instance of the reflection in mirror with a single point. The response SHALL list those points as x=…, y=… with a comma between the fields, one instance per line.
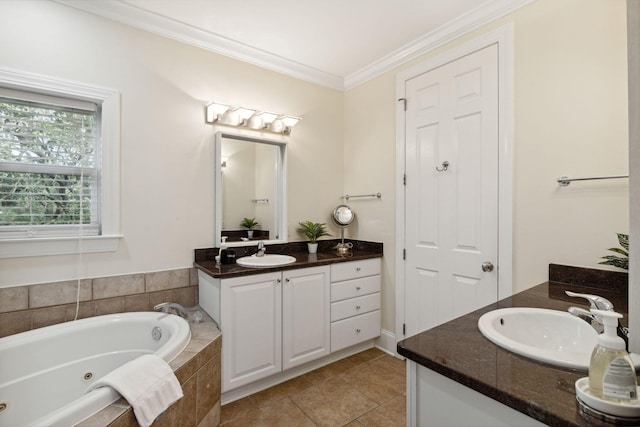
x=250, y=185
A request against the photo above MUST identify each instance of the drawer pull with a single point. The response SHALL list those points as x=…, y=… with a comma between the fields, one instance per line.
x=357, y=307
x=358, y=331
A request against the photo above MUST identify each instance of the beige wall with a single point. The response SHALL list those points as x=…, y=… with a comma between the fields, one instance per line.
x=166, y=149
x=570, y=118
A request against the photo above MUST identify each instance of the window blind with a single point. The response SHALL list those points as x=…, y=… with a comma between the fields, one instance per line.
x=49, y=166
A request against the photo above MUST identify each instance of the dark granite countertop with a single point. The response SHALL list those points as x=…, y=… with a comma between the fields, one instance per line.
x=205, y=258
x=458, y=351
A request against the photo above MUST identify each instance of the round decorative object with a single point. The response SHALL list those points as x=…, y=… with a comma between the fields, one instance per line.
x=343, y=216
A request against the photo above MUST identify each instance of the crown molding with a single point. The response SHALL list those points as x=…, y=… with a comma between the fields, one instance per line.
x=164, y=26
x=176, y=30
x=472, y=20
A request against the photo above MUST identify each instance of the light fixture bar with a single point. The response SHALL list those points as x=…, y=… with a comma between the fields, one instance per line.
x=250, y=118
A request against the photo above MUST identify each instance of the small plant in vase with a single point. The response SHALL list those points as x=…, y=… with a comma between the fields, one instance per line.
x=249, y=224
x=312, y=230
x=619, y=261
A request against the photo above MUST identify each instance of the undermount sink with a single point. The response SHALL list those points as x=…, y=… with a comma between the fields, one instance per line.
x=268, y=260
x=550, y=336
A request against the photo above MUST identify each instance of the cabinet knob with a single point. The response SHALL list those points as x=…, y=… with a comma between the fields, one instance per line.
x=357, y=288
x=357, y=331
x=278, y=280
x=358, y=269
x=287, y=280
x=357, y=307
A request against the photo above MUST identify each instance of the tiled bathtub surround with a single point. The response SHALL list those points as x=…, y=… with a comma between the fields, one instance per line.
x=198, y=370
x=23, y=308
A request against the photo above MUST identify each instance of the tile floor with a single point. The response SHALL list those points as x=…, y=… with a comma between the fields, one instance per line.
x=366, y=389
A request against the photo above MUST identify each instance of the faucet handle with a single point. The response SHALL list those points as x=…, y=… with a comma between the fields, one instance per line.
x=595, y=301
x=167, y=306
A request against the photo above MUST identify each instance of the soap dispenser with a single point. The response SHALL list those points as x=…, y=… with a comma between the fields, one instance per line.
x=223, y=249
x=612, y=375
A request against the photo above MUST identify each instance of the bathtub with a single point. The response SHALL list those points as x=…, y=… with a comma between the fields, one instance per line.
x=44, y=373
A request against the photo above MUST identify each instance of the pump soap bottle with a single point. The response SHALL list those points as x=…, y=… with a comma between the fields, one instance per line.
x=612, y=375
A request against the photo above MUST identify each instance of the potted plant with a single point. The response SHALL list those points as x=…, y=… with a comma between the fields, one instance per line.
x=619, y=261
x=312, y=230
x=249, y=224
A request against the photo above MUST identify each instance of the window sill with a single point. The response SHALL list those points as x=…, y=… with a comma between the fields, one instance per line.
x=17, y=248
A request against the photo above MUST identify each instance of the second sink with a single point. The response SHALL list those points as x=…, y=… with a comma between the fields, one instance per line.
x=268, y=260
x=550, y=336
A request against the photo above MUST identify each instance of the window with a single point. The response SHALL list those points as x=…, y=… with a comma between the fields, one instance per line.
x=58, y=166
x=49, y=176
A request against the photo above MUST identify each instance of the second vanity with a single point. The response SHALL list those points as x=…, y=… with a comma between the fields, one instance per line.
x=458, y=377
x=279, y=322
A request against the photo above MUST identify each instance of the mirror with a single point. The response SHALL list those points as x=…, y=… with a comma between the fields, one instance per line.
x=342, y=216
x=250, y=183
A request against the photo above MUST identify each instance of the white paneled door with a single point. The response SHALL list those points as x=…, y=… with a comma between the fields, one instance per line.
x=451, y=200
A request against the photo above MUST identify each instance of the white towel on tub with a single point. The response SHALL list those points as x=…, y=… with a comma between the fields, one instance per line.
x=148, y=383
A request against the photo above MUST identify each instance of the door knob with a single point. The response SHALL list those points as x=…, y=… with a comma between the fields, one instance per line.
x=487, y=266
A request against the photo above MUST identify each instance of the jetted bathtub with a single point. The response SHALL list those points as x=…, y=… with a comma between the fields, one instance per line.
x=44, y=373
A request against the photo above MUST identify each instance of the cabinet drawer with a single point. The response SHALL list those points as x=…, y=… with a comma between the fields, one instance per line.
x=355, y=288
x=351, y=331
x=354, y=269
x=354, y=306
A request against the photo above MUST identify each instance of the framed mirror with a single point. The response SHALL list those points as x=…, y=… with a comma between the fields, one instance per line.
x=250, y=183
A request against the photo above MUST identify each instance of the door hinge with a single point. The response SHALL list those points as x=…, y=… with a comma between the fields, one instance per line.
x=404, y=329
x=404, y=179
x=404, y=101
x=404, y=254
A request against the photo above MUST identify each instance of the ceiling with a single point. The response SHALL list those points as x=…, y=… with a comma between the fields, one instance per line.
x=335, y=43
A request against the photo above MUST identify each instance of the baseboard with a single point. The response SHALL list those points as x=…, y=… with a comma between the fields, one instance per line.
x=262, y=384
x=387, y=343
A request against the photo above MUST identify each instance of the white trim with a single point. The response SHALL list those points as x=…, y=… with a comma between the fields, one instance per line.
x=280, y=377
x=633, y=35
x=387, y=342
x=167, y=27
x=476, y=18
x=503, y=37
x=110, y=179
x=17, y=248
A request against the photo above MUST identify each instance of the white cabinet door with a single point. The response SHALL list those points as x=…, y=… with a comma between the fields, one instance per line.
x=305, y=315
x=251, y=313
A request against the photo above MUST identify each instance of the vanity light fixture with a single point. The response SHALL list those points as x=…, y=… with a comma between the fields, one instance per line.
x=252, y=119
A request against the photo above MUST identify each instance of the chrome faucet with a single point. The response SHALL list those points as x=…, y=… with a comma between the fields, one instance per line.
x=166, y=307
x=599, y=303
x=595, y=301
x=261, y=249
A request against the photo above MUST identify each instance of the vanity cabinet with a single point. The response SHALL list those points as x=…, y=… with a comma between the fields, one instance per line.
x=269, y=322
x=305, y=315
x=251, y=325
x=355, y=302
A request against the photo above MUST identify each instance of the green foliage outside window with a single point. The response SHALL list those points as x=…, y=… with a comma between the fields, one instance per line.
x=47, y=164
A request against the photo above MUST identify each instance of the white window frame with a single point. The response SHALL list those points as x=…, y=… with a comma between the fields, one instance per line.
x=110, y=236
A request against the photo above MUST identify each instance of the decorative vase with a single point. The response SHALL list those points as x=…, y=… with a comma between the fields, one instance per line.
x=250, y=233
x=313, y=247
